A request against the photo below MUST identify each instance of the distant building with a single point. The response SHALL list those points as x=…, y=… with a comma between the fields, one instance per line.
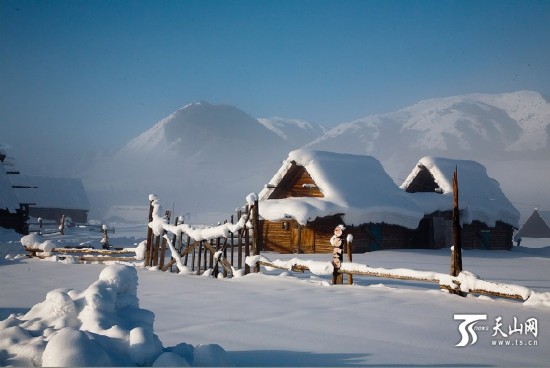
x=51, y=197
x=12, y=214
x=488, y=218
x=536, y=226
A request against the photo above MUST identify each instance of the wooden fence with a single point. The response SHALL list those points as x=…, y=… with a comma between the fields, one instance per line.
x=85, y=255
x=462, y=284
x=202, y=248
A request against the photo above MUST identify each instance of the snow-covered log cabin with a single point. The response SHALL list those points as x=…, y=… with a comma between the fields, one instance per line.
x=314, y=191
x=12, y=214
x=488, y=218
x=52, y=197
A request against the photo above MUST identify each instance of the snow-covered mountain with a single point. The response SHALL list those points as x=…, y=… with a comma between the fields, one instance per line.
x=508, y=133
x=207, y=158
x=204, y=157
x=295, y=132
x=474, y=124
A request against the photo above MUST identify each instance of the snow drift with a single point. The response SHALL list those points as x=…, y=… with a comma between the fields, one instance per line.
x=101, y=326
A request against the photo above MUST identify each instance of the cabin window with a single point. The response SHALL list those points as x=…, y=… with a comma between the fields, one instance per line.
x=285, y=225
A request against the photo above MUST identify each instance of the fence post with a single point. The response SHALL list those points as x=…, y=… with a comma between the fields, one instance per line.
x=105, y=240
x=62, y=225
x=256, y=233
x=163, y=247
x=187, y=254
x=149, y=243
x=232, y=245
x=240, y=243
x=349, y=240
x=456, y=253
x=247, y=243
x=199, y=255
x=40, y=224
x=337, y=254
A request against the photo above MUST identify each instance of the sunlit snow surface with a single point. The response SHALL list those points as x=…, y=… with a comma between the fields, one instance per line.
x=72, y=314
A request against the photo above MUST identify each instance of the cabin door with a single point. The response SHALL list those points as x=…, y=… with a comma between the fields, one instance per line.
x=302, y=240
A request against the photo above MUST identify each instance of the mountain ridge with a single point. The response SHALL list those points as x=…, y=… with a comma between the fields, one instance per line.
x=220, y=153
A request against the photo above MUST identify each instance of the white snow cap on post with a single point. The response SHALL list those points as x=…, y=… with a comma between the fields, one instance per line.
x=251, y=198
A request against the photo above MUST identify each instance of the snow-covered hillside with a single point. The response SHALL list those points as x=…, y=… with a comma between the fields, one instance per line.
x=204, y=157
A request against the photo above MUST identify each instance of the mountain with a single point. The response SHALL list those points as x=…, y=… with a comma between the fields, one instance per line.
x=475, y=124
x=203, y=157
x=508, y=133
x=205, y=132
x=295, y=132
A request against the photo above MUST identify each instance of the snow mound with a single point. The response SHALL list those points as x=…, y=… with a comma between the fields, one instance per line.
x=101, y=326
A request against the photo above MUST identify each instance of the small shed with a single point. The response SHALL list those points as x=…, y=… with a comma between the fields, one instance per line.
x=488, y=218
x=314, y=191
x=52, y=197
x=536, y=226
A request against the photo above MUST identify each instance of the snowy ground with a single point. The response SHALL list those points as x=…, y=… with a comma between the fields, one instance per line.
x=286, y=319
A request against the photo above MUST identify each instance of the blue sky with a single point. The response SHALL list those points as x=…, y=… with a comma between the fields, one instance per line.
x=94, y=74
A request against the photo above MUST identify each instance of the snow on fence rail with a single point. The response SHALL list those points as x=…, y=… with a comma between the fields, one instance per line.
x=465, y=282
x=211, y=242
x=37, y=247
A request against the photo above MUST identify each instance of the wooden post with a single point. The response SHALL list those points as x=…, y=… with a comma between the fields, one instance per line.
x=199, y=254
x=105, y=240
x=349, y=239
x=247, y=243
x=40, y=225
x=163, y=247
x=149, y=243
x=456, y=254
x=187, y=253
x=62, y=225
x=232, y=245
x=257, y=234
x=156, y=247
x=337, y=255
x=240, y=243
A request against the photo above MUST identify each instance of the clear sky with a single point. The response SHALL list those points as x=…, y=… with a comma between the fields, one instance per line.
x=94, y=74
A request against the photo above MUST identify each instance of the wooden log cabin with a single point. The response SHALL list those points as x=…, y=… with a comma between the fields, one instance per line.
x=12, y=214
x=488, y=217
x=315, y=191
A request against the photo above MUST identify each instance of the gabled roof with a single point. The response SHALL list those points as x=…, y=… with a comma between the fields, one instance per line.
x=353, y=185
x=536, y=226
x=480, y=197
x=51, y=192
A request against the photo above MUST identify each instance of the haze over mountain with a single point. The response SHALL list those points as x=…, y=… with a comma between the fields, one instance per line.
x=206, y=158
x=508, y=133
x=203, y=157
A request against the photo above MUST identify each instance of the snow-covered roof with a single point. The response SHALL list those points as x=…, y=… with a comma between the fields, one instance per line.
x=480, y=197
x=51, y=192
x=353, y=185
x=8, y=200
x=545, y=215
